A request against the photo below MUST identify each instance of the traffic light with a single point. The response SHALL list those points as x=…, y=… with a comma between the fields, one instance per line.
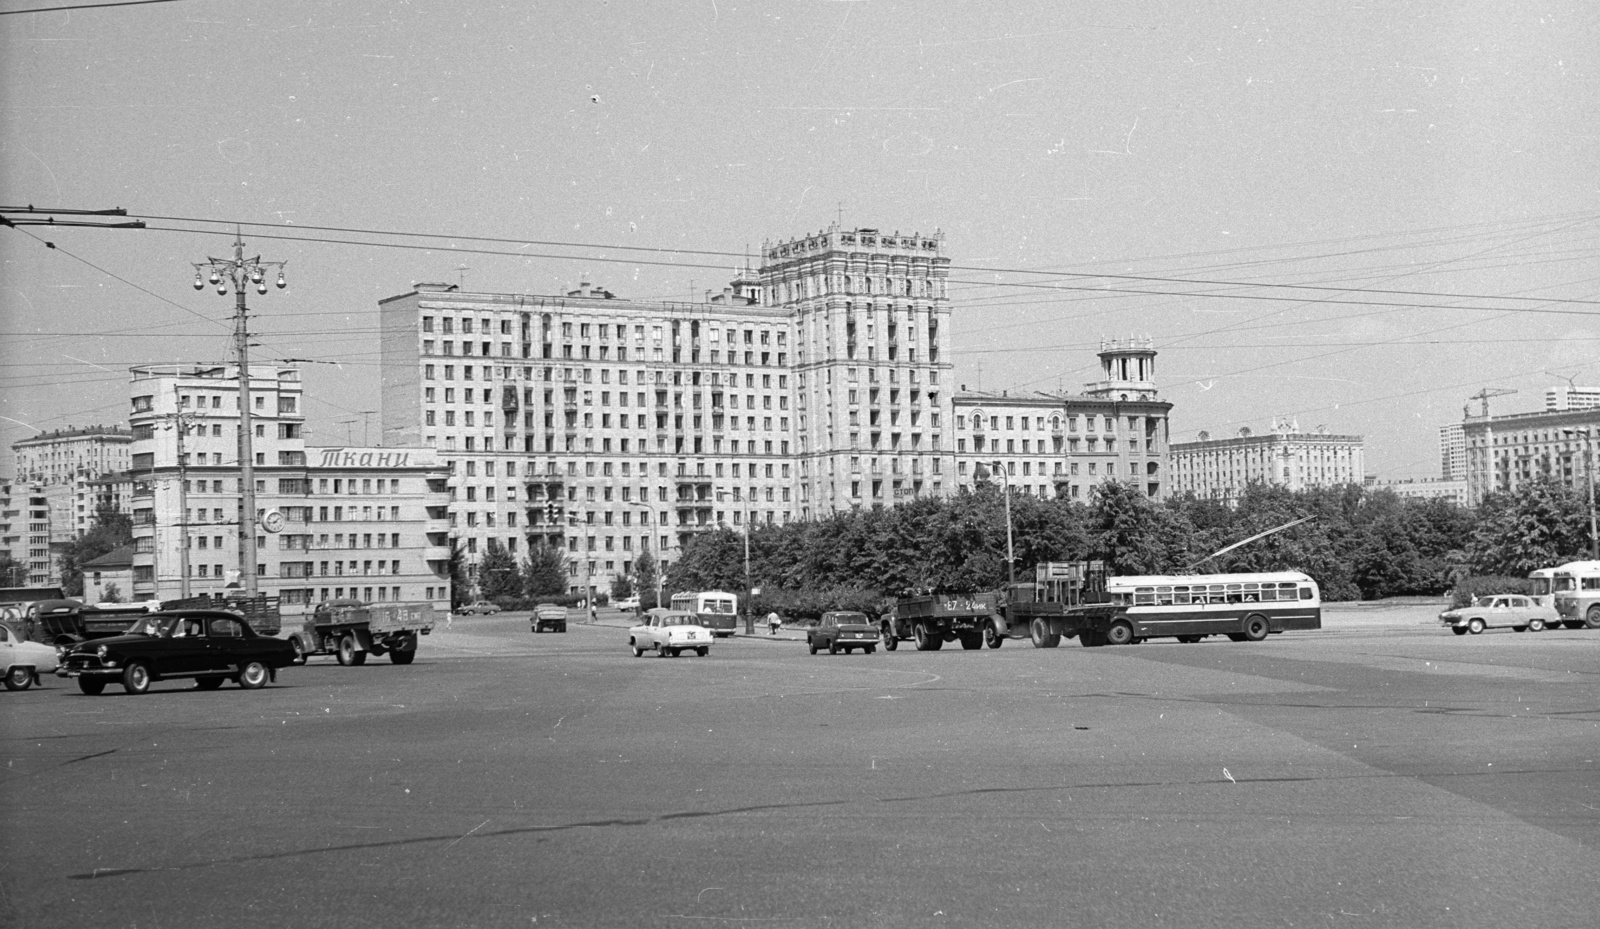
x=551, y=513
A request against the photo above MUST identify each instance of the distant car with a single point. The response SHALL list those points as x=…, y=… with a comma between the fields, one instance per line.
x=481, y=606
x=548, y=616
x=210, y=646
x=669, y=632
x=843, y=630
x=23, y=661
x=1514, y=610
x=629, y=604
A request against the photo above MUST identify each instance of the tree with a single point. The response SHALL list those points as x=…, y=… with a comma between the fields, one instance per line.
x=13, y=573
x=644, y=575
x=545, y=572
x=1537, y=525
x=460, y=585
x=498, y=576
x=112, y=594
x=621, y=587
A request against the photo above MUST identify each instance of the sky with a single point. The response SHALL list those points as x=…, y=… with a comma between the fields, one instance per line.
x=1343, y=215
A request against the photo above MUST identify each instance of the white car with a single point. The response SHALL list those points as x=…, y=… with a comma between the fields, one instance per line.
x=627, y=604
x=23, y=661
x=668, y=633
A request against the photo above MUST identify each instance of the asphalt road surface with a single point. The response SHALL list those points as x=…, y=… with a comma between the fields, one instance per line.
x=1381, y=772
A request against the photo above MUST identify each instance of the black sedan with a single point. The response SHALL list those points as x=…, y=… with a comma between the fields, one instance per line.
x=209, y=646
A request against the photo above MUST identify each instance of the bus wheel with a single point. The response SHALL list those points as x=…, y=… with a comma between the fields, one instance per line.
x=1475, y=625
x=1256, y=627
x=1042, y=635
x=1120, y=633
x=889, y=641
x=1593, y=617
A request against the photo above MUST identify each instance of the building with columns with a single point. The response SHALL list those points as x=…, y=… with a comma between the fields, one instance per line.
x=1505, y=452
x=1064, y=444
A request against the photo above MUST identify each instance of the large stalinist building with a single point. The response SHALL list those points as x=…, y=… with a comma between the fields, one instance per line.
x=819, y=383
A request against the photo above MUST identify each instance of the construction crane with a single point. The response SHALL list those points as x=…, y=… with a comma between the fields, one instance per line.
x=1488, y=392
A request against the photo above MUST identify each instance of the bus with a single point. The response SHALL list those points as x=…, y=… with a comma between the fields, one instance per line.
x=1575, y=588
x=718, y=610
x=1243, y=607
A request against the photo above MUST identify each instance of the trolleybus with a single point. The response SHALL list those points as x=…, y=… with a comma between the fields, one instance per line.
x=1243, y=607
x=717, y=610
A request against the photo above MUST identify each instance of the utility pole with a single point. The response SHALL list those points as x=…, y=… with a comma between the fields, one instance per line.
x=1011, y=559
x=180, y=423
x=240, y=272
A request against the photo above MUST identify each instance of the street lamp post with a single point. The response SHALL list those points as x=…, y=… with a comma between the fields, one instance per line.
x=240, y=272
x=659, y=579
x=1588, y=475
x=1011, y=558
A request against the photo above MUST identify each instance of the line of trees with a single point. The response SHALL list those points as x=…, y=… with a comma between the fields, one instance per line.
x=1363, y=544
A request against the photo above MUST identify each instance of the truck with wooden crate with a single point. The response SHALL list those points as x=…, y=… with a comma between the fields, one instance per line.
x=351, y=630
x=1064, y=600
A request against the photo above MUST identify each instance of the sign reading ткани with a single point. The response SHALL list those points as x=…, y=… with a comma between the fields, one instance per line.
x=373, y=458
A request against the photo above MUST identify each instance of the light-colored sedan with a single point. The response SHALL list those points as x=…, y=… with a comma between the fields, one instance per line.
x=481, y=606
x=23, y=661
x=669, y=632
x=1514, y=610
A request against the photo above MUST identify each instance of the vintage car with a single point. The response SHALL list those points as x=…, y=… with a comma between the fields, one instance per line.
x=669, y=632
x=210, y=646
x=548, y=616
x=23, y=661
x=480, y=606
x=843, y=630
x=1514, y=610
x=627, y=604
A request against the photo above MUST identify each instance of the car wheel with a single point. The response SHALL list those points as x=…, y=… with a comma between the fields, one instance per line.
x=637, y=651
x=92, y=686
x=1459, y=630
x=889, y=641
x=1120, y=633
x=1235, y=637
x=253, y=676
x=992, y=636
x=209, y=682
x=833, y=647
x=299, y=650
x=136, y=678
x=703, y=651
x=870, y=649
x=1042, y=635
x=1535, y=625
x=1256, y=627
x=1519, y=628
x=19, y=678
x=661, y=651
x=1475, y=625
x=1592, y=619
x=1188, y=639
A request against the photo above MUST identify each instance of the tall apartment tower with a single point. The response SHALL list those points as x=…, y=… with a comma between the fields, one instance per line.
x=872, y=365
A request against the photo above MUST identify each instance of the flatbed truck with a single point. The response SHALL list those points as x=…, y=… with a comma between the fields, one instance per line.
x=350, y=630
x=1064, y=600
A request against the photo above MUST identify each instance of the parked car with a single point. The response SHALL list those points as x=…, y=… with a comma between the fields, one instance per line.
x=210, y=646
x=628, y=604
x=843, y=630
x=548, y=616
x=1514, y=610
x=481, y=606
x=669, y=632
x=23, y=661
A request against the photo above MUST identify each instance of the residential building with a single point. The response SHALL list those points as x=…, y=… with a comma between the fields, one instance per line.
x=25, y=534
x=1557, y=399
x=648, y=422
x=62, y=466
x=1453, y=452
x=872, y=364
x=335, y=522
x=1451, y=489
x=1065, y=444
x=1505, y=452
x=1286, y=457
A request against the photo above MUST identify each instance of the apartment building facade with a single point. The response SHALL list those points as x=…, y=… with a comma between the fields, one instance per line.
x=1286, y=457
x=364, y=523
x=1506, y=452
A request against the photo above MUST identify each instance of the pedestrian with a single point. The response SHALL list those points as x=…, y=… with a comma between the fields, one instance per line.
x=593, y=614
x=773, y=622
